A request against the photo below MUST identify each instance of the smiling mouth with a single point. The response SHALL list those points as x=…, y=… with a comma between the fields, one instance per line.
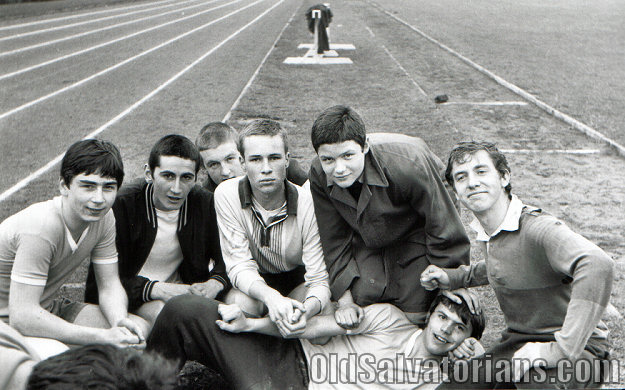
x=441, y=339
x=476, y=193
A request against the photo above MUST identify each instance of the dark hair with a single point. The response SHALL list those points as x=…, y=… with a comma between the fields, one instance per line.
x=462, y=151
x=174, y=145
x=102, y=366
x=338, y=124
x=477, y=321
x=92, y=156
x=267, y=127
x=214, y=134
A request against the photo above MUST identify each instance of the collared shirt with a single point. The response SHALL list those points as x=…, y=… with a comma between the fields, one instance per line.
x=548, y=279
x=510, y=222
x=251, y=247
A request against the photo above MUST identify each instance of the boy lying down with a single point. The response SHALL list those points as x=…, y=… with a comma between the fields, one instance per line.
x=385, y=350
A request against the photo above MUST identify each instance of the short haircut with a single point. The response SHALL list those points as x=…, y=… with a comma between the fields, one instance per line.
x=462, y=151
x=266, y=127
x=214, y=134
x=101, y=366
x=177, y=146
x=477, y=321
x=338, y=124
x=92, y=156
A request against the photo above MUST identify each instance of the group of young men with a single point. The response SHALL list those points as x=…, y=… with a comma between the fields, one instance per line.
x=281, y=279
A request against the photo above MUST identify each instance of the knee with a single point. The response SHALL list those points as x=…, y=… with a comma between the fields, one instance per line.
x=45, y=347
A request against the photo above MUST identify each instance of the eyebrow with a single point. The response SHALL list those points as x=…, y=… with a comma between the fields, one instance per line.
x=448, y=312
x=84, y=181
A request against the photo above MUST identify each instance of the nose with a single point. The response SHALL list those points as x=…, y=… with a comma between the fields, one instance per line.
x=176, y=187
x=98, y=195
x=266, y=167
x=225, y=169
x=447, y=327
x=339, y=168
x=473, y=180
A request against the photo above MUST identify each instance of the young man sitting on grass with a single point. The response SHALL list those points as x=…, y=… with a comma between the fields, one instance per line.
x=42, y=245
x=385, y=215
x=269, y=235
x=167, y=235
x=217, y=143
x=552, y=284
x=384, y=350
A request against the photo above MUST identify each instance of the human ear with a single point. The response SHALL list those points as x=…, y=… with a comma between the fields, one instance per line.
x=148, y=173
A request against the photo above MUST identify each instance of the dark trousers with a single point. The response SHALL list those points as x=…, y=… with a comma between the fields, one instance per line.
x=186, y=330
x=493, y=375
x=285, y=282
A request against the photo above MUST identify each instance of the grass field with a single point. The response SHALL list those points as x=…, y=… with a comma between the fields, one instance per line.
x=586, y=191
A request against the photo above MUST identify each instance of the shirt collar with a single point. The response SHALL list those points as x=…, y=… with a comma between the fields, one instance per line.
x=372, y=172
x=245, y=195
x=510, y=222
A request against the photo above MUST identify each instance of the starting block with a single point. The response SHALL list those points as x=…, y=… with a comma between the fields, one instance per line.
x=328, y=55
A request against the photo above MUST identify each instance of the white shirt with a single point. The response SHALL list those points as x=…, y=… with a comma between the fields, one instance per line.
x=166, y=254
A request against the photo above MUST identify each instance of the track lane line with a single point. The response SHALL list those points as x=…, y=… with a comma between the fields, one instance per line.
x=27, y=180
x=103, y=44
x=120, y=64
x=83, y=34
x=65, y=26
x=255, y=74
x=28, y=24
x=580, y=126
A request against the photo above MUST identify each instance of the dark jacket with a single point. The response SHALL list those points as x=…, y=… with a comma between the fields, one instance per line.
x=404, y=220
x=136, y=228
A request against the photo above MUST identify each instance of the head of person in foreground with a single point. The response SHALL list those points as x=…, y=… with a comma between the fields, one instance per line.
x=100, y=366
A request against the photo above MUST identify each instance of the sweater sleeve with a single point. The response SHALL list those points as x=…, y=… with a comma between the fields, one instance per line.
x=316, y=276
x=242, y=269
x=591, y=271
x=336, y=238
x=467, y=275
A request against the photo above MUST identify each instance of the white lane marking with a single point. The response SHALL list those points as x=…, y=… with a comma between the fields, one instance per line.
x=251, y=80
x=582, y=127
x=85, y=33
x=65, y=26
x=27, y=180
x=43, y=21
x=103, y=44
x=398, y=64
x=550, y=151
x=119, y=64
x=486, y=103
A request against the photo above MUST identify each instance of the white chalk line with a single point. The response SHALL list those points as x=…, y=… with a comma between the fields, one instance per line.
x=255, y=74
x=120, y=64
x=66, y=26
x=62, y=18
x=589, y=131
x=398, y=64
x=485, y=103
x=27, y=180
x=85, y=33
x=550, y=151
x=103, y=44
